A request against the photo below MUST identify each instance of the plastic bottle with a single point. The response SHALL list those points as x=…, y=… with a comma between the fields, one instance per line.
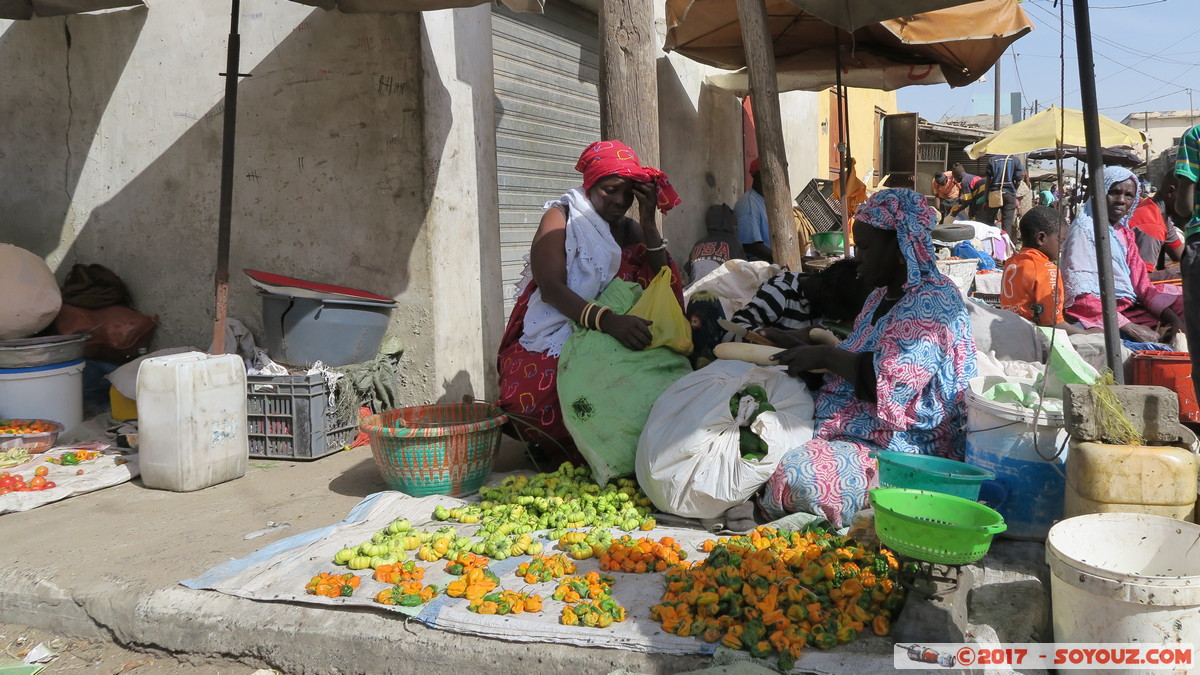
x=192, y=420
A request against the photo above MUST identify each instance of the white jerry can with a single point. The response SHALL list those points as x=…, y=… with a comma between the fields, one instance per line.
x=192, y=420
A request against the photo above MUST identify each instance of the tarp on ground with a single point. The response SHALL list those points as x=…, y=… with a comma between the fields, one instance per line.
x=280, y=572
x=103, y=472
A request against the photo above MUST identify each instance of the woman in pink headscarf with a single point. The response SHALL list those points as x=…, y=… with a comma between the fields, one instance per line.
x=583, y=242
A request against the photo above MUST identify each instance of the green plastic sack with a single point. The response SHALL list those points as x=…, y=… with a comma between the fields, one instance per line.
x=606, y=390
x=1066, y=366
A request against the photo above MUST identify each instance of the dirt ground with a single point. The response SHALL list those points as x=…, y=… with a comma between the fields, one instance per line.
x=106, y=658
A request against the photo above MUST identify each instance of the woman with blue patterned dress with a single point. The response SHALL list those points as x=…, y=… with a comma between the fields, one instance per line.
x=898, y=382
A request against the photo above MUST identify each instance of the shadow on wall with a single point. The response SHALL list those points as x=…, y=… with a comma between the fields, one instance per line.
x=701, y=148
x=455, y=388
x=54, y=103
x=328, y=181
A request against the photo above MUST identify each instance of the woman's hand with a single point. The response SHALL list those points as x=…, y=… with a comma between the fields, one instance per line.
x=804, y=359
x=631, y=331
x=1175, y=324
x=787, y=338
x=647, y=197
x=1140, y=333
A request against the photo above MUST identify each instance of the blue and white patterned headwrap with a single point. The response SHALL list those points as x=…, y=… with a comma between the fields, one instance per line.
x=908, y=214
x=1079, y=253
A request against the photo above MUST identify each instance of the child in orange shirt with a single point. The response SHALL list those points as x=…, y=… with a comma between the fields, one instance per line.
x=1031, y=285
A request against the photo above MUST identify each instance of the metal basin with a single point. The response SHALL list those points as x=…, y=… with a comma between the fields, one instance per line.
x=42, y=351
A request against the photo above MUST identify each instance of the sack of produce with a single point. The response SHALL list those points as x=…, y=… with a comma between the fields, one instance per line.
x=714, y=437
x=30, y=299
x=606, y=390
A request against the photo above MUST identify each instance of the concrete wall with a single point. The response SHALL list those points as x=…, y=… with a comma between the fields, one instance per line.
x=463, y=218
x=700, y=142
x=112, y=144
x=802, y=137
x=700, y=136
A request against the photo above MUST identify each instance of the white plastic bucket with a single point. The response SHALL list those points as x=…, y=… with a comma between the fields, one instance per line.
x=1011, y=441
x=1125, y=577
x=52, y=392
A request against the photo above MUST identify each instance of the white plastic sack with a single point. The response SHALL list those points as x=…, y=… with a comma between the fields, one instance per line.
x=689, y=461
x=734, y=283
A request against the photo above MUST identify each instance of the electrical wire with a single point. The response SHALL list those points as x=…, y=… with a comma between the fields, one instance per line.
x=1020, y=84
x=1145, y=100
x=1141, y=4
x=1063, y=35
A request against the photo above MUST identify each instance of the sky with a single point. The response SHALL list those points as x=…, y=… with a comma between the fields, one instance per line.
x=1147, y=56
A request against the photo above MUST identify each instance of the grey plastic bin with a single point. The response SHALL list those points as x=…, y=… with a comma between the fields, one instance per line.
x=300, y=331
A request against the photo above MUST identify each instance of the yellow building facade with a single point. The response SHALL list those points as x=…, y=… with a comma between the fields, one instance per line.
x=866, y=109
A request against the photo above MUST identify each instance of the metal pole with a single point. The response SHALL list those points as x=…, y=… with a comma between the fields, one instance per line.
x=225, y=216
x=842, y=135
x=1091, y=129
x=996, y=105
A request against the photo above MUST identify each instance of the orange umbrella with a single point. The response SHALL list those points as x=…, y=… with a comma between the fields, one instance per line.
x=955, y=45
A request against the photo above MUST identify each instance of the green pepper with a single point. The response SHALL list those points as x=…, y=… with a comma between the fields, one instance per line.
x=409, y=600
x=347, y=590
x=69, y=459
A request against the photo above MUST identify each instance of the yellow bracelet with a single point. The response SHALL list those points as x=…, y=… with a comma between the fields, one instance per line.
x=585, y=315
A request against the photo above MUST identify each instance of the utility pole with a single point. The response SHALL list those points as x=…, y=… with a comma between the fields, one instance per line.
x=996, y=106
x=629, y=76
x=1091, y=123
x=768, y=130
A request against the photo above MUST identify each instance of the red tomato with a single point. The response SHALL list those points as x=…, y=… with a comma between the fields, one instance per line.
x=41, y=470
x=4, y=490
x=8, y=482
x=49, y=484
x=37, y=482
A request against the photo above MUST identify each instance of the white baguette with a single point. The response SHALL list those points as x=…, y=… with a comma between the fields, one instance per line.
x=744, y=351
x=822, y=336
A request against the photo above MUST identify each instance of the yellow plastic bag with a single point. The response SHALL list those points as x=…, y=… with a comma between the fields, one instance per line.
x=658, y=304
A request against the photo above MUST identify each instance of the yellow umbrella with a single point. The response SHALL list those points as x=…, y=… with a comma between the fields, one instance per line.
x=1054, y=127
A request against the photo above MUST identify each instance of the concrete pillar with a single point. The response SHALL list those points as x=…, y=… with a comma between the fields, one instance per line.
x=462, y=217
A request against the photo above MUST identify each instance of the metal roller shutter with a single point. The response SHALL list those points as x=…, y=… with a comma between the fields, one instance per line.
x=547, y=110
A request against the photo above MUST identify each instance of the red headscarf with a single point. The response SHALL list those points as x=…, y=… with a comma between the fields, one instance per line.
x=607, y=158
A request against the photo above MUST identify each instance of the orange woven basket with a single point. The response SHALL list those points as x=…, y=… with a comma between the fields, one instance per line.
x=440, y=449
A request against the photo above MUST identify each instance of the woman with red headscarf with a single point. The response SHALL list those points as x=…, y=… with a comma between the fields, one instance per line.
x=583, y=242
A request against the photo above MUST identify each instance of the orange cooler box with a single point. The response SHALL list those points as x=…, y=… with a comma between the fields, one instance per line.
x=1172, y=370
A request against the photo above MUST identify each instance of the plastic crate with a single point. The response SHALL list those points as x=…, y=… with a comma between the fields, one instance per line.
x=288, y=418
x=823, y=213
x=1172, y=370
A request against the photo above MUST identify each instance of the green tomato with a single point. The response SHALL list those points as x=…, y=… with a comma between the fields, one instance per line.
x=344, y=556
x=360, y=562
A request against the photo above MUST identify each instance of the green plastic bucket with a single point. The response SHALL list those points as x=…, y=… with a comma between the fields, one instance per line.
x=934, y=527
x=935, y=474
